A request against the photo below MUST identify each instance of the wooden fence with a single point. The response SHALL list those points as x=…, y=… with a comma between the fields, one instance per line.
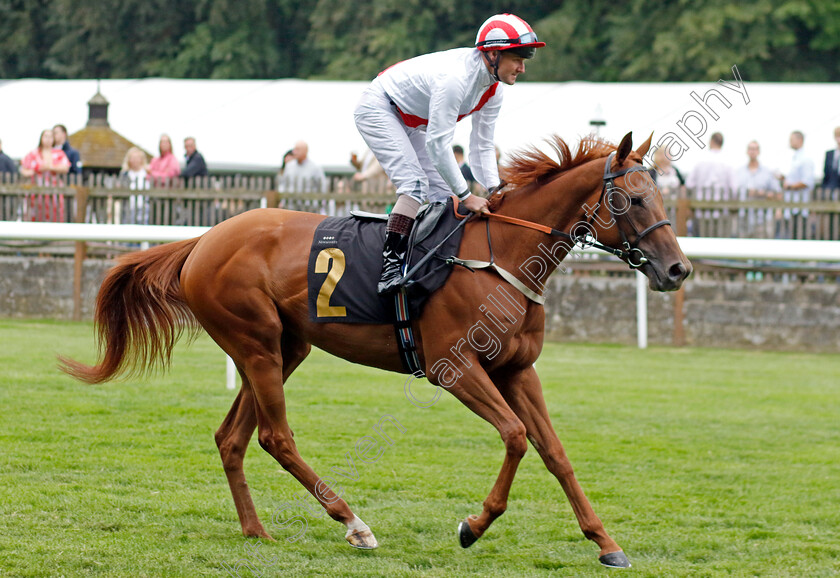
x=207, y=201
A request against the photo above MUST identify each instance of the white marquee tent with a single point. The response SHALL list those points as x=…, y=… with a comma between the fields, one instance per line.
x=252, y=122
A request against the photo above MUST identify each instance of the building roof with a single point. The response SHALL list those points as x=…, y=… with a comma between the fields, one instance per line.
x=99, y=146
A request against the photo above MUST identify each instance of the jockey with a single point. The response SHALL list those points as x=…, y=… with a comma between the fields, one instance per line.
x=407, y=117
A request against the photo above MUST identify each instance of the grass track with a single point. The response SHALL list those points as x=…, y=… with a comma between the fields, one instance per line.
x=700, y=462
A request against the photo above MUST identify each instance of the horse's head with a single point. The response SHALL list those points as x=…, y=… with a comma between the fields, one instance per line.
x=630, y=218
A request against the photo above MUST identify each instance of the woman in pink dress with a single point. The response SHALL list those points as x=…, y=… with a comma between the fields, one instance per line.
x=44, y=165
x=165, y=167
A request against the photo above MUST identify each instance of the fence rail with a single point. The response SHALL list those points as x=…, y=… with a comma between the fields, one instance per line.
x=205, y=201
x=201, y=202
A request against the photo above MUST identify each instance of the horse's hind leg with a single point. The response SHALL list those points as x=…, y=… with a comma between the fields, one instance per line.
x=263, y=363
x=232, y=439
x=233, y=436
x=523, y=392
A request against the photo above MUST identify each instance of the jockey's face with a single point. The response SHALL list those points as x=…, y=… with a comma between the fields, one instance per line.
x=510, y=66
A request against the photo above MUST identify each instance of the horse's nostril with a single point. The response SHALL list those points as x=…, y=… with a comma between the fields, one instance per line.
x=677, y=271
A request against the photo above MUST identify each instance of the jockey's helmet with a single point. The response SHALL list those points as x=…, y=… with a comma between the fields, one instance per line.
x=510, y=33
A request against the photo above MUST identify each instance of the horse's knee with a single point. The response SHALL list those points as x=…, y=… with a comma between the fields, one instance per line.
x=516, y=442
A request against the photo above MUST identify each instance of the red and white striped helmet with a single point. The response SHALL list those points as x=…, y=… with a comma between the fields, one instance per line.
x=507, y=32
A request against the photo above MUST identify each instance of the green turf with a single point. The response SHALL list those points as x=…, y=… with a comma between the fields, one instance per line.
x=700, y=462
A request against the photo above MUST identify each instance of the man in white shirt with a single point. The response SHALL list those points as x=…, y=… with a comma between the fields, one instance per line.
x=712, y=177
x=755, y=181
x=301, y=174
x=800, y=179
x=711, y=180
x=407, y=117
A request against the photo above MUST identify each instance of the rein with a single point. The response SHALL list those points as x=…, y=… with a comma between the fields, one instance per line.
x=628, y=249
x=625, y=253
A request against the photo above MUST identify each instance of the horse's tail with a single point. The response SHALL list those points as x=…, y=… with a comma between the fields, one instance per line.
x=140, y=314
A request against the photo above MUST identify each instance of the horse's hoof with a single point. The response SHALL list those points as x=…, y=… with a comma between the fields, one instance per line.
x=465, y=535
x=615, y=560
x=362, y=539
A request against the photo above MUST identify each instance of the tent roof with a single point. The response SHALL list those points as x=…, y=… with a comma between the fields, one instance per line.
x=253, y=122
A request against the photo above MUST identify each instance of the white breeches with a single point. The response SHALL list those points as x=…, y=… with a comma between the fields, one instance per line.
x=401, y=150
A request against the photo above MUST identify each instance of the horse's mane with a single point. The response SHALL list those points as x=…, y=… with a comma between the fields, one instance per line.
x=531, y=164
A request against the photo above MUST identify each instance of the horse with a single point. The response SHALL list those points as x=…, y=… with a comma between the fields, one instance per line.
x=245, y=283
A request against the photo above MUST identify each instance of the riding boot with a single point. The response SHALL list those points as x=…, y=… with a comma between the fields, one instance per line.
x=393, y=257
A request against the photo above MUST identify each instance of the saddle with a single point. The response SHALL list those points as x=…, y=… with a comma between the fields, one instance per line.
x=345, y=261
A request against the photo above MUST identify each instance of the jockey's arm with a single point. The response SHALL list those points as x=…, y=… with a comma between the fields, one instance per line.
x=444, y=104
x=482, y=146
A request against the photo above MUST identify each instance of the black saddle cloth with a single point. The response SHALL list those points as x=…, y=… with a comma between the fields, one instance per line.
x=346, y=259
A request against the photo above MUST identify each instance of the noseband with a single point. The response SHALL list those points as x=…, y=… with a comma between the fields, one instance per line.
x=630, y=251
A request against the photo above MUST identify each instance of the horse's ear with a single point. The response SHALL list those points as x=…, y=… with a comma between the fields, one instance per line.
x=624, y=148
x=645, y=147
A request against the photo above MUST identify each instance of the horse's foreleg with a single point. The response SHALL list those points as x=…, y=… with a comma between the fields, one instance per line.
x=523, y=392
x=478, y=393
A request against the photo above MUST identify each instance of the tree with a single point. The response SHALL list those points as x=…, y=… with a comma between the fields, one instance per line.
x=25, y=37
x=113, y=38
x=234, y=39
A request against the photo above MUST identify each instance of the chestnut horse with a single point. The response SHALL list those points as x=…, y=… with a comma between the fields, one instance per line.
x=245, y=283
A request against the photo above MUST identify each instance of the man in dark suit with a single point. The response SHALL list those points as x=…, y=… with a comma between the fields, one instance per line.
x=831, y=171
x=7, y=165
x=196, y=167
x=60, y=142
x=466, y=172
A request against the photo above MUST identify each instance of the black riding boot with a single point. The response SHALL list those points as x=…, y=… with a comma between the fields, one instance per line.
x=393, y=257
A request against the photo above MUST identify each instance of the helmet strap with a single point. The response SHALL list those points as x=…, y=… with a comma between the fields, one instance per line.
x=494, y=63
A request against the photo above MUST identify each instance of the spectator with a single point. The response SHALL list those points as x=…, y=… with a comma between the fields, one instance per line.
x=712, y=174
x=797, y=184
x=61, y=142
x=711, y=180
x=7, y=165
x=367, y=167
x=135, y=172
x=667, y=177
x=458, y=150
x=755, y=181
x=164, y=167
x=43, y=165
x=369, y=177
x=135, y=169
x=196, y=167
x=288, y=157
x=831, y=174
x=301, y=174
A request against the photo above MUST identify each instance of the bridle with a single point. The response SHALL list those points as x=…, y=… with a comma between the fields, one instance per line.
x=629, y=252
x=628, y=249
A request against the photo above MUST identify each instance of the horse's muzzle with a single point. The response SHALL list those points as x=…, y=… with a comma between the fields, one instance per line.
x=666, y=278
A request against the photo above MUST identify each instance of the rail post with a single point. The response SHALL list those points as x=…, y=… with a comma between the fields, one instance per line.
x=81, y=197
